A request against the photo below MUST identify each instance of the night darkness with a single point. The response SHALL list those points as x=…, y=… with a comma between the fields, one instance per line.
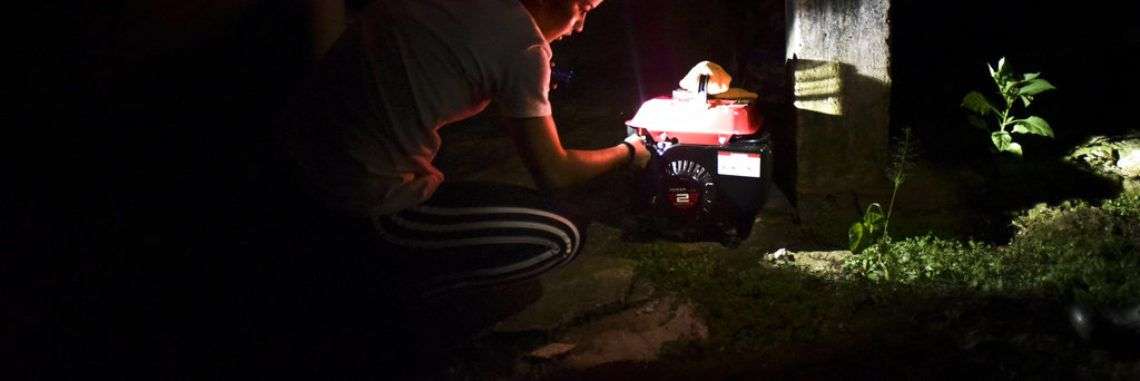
x=130, y=229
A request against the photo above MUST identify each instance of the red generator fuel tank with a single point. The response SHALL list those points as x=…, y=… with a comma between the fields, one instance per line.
x=710, y=168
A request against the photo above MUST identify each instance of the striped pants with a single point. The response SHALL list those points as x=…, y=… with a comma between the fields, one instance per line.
x=470, y=236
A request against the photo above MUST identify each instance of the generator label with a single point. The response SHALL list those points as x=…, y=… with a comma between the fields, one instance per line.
x=738, y=164
x=683, y=197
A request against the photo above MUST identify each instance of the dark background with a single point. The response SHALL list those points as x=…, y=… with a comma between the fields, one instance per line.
x=139, y=126
x=940, y=49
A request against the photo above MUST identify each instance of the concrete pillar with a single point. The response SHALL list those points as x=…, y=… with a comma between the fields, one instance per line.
x=839, y=56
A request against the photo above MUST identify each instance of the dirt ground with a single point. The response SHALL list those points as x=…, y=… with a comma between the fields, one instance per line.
x=940, y=338
x=617, y=337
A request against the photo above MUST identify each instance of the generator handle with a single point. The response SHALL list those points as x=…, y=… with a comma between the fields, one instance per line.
x=701, y=100
x=703, y=84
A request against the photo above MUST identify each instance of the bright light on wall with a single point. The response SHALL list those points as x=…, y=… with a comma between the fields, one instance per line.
x=819, y=88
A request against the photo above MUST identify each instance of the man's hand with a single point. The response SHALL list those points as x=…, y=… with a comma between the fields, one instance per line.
x=553, y=166
x=641, y=153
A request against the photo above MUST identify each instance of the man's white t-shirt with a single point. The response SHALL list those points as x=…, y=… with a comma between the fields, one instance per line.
x=364, y=130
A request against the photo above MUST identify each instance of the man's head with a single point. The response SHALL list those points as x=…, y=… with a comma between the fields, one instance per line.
x=560, y=18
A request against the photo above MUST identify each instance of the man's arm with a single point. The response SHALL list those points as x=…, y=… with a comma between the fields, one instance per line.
x=553, y=166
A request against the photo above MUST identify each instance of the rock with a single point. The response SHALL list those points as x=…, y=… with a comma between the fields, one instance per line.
x=1110, y=155
x=781, y=255
x=635, y=334
x=551, y=351
x=822, y=261
x=1129, y=163
x=641, y=291
x=1107, y=327
x=589, y=284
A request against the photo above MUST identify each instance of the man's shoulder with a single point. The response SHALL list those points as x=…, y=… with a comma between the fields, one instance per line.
x=506, y=24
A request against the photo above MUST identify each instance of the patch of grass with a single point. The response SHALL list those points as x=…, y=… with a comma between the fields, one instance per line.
x=928, y=261
x=1073, y=250
x=949, y=307
x=1081, y=251
x=750, y=305
x=770, y=320
x=938, y=308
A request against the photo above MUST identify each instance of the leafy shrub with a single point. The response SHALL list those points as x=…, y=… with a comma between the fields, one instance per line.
x=1012, y=88
x=1082, y=251
x=874, y=227
x=925, y=260
x=1126, y=207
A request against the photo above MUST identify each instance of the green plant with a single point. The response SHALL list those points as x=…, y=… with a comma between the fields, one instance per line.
x=871, y=227
x=1012, y=89
x=1081, y=251
x=1074, y=250
x=874, y=225
x=926, y=261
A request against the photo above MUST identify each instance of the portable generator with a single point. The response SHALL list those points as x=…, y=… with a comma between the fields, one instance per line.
x=710, y=167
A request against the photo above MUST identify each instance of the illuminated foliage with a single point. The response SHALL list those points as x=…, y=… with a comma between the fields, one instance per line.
x=1074, y=250
x=1012, y=89
x=874, y=226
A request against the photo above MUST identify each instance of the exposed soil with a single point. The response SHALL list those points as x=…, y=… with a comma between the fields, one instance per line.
x=814, y=333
